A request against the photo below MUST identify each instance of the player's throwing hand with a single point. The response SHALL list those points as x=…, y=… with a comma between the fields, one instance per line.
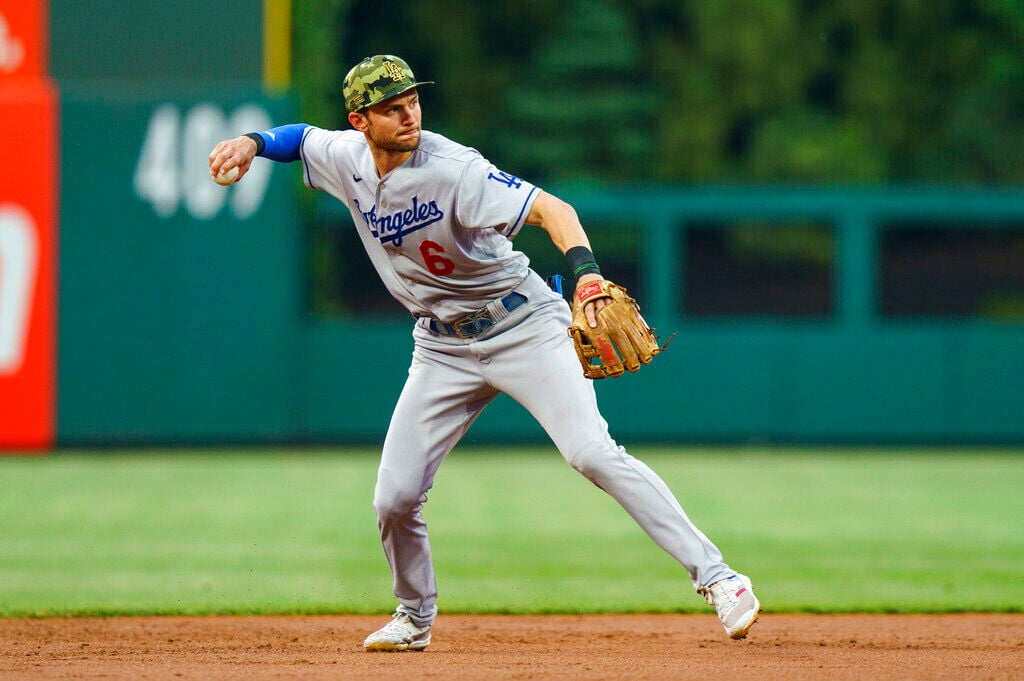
x=230, y=160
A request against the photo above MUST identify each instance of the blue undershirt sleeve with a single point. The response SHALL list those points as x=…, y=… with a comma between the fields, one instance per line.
x=281, y=143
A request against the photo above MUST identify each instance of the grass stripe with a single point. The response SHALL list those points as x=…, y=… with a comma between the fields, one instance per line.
x=293, y=531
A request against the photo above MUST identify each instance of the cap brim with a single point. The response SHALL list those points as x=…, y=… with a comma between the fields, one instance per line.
x=396, y=94
x=410, y=87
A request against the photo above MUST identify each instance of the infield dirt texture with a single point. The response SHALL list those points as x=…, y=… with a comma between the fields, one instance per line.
x=590, y=647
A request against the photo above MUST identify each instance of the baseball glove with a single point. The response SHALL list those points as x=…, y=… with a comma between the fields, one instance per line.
x=622, y=337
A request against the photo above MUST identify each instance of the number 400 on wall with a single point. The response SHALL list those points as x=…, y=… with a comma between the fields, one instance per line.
x=173, y=172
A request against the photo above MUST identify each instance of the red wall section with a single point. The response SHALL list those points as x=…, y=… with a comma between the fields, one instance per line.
x=28, y=233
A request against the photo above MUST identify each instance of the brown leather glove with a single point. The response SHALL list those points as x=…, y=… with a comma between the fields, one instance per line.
x=622, y=337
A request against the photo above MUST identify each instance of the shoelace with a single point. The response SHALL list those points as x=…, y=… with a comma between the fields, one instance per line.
x=721, y=594
x=401, y=624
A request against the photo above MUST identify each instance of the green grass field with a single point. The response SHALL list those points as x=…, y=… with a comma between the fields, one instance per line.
x=262, y=531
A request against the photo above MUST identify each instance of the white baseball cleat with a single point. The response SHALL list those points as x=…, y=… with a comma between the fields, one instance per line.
x=398, y=634
x=734, y=600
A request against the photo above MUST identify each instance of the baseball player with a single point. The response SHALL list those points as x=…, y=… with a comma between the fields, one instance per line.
x=437, y=220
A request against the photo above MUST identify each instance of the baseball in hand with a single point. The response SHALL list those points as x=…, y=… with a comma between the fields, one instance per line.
x=226, y=178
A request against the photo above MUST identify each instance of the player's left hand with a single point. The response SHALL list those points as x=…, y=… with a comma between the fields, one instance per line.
x=607, y=327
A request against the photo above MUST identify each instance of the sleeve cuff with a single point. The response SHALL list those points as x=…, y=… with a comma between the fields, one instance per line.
x=521, y=219
x=261, y=143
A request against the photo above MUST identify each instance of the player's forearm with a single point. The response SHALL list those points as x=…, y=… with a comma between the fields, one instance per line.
x=277, y=144
x=281, y=143
x=559, y=220
x=562, y=224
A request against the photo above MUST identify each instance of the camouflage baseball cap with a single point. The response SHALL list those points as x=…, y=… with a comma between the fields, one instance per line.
x=377, y=78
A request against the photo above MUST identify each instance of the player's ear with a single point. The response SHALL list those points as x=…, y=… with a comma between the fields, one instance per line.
x=357, y=120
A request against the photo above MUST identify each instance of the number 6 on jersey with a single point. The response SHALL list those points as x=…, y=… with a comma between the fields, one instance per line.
x=437, y=264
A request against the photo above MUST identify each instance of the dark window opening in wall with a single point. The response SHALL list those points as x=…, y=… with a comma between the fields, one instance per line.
x=929, y=270
x=758, y=268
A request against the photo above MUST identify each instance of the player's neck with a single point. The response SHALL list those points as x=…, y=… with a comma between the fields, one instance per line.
x=386, y=161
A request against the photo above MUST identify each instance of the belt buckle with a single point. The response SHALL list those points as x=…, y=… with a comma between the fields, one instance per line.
x=478, y=323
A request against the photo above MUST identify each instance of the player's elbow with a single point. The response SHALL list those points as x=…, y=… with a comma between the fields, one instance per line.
x=549, y=210
x=561, y=209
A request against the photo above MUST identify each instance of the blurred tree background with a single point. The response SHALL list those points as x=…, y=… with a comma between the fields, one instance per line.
x=688, y=92
x=729, y=91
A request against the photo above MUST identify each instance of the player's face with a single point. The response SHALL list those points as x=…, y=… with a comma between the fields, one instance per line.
x=394, y=124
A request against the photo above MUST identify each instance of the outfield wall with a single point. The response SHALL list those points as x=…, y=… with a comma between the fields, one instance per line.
x=184, y=312
x=142, y=304
x=179, y=300
x=29, y=179
x=193, y=328
x=852, y=375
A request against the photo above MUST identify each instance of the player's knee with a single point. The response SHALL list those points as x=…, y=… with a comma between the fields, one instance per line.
x=395, y=503
x=594, y=461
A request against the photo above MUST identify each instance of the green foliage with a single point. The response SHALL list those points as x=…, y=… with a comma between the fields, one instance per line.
x=512, y=531
x=580, y=109
x=317, y=69
x=732, y=90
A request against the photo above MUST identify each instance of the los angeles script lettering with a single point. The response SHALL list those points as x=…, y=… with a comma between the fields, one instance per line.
x=393, y=228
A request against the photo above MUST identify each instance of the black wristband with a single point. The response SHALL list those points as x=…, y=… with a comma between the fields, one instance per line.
x=581, y=261
x=258, y=139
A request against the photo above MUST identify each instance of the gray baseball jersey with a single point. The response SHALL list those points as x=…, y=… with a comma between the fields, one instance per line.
x=445, y=215
x=438, y=230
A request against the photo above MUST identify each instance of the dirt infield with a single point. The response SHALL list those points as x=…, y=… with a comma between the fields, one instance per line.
x=593, y=647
